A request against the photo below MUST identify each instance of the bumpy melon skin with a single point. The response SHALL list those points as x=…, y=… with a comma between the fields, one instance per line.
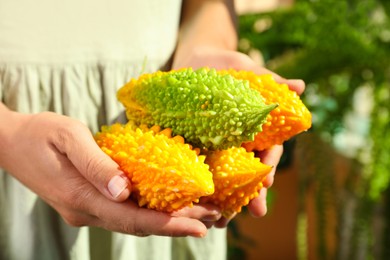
x=165, y=173
x=290, y=118
x=227, y=113
x=238, y=177
x=208, y=109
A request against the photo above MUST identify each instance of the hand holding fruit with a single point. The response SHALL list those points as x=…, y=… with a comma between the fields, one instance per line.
x=216, y=112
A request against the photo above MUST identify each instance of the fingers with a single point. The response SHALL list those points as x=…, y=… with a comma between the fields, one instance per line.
x=223, y=222
x=258, y=206
x=207, y=213
x=297, y=85
x=244, y=62
x=271, y=157
x=103, y=172
x=77, y=143
x=94, y=209
x=204, y=212
x=128, y=218
x=226, y=59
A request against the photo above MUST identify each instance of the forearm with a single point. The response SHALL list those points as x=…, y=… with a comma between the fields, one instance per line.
x=207, y=23
x=5, y=115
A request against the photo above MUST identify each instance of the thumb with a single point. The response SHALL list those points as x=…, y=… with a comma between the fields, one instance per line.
x=96, y=166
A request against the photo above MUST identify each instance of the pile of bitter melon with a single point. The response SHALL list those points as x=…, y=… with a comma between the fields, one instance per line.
x=191, y=134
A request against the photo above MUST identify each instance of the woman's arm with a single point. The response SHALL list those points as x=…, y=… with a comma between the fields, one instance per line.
x=208, y=37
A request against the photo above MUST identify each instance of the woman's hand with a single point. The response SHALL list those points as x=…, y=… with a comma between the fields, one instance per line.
x=204, y=56
x=57, y=158
x=226, y=59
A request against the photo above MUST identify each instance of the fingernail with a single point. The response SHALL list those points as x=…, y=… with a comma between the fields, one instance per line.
x=214, y=216
x=117, y=185
x=199, y=234
x=295, y=82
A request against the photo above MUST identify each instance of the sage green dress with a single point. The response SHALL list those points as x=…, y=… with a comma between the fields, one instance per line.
x=70, y=57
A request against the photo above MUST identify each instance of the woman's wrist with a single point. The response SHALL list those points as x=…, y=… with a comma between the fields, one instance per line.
x=206, y=24
x=11, y=122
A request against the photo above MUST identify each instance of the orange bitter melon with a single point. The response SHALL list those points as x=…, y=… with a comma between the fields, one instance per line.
x=237, y=176
x=290, y=118
x=165, y=173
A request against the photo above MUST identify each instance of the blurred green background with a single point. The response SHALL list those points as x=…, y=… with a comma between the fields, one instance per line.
x=341, y=49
